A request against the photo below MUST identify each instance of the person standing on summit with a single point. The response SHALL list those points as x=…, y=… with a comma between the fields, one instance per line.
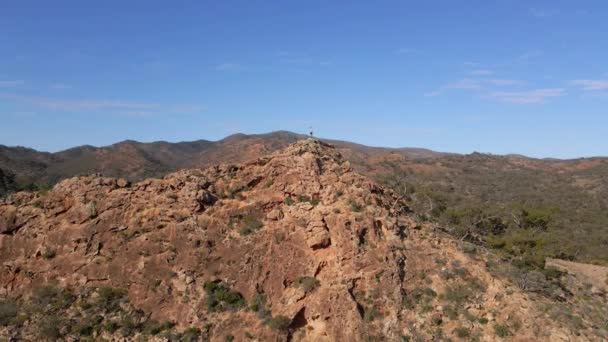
x=311, y=132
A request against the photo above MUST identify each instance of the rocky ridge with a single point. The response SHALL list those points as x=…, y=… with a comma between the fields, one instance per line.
x=292, y=246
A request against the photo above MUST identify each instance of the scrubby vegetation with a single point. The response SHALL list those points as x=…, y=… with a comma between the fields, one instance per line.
x=513, y=218
x=462, y=332
x=247, y=222
x=307, y=283
x=279, y=323
x=529, y=213
x=501, y=330
x=220, y=297
x=54, y=313
x=355, y=206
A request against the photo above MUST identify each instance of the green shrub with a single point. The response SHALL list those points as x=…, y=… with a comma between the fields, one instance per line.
x=84, y=329
x=307, y=283
x=249, y=224
x=371, y=313
x=280, y=323
x=128, y=326
x=483, y=320
x=451, y=312
x=537, y=218
x=191, y=335
x=354, y=206
x=418, y=296
x=303, y=198
x=49, y=254
x=469, y=248
x=109, y=298
x=258, y=306
x=462, y=332
x=111, y=326
x=220, y=296
x=50, y=328
x=458, y=294
x=8, y=312
x=501, y=330
x=52, y=298
x=288, y=200
x=154, y=328
x=92, y=209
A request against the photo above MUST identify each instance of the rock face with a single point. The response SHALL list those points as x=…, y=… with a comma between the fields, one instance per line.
x=261, y=228
x=293, y=246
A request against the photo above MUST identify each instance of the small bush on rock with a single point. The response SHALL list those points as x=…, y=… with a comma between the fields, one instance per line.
x=220, y=296
x=249, y=224
x=307, y=283
x=354, y=206
x=280, y=323
x=462, y=332
x=501, y=330
x=8, y=312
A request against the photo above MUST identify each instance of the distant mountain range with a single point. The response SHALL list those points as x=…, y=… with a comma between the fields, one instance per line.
x=28, y=168
x=22, y=167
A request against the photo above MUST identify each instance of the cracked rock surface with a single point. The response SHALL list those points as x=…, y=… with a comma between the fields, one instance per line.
x=298, y=234
x=258, y=227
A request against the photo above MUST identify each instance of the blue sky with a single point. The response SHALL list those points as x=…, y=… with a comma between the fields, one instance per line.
x=527, y=77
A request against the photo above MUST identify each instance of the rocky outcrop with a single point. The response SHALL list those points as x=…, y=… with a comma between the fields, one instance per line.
x=301, y=213
x=293, y=246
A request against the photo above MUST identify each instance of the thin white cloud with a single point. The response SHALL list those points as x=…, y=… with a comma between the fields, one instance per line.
x=135, y=113
x=228, y=66
x=282, y=53
x=23, y=114
x=503, y=82
x=298, y=60
x=155, y=65
x=11, y=83
x=542, y=13
x=408, y=51
x=482, y=72
x=491, y=88
x=76, y=104
x=163, y=110
x=591, y=85
x=529, y=96
x=466, y=84
x=187, y=108
x=119, y=107
x=433, y=93
x=526, y=56
x=60, y=86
